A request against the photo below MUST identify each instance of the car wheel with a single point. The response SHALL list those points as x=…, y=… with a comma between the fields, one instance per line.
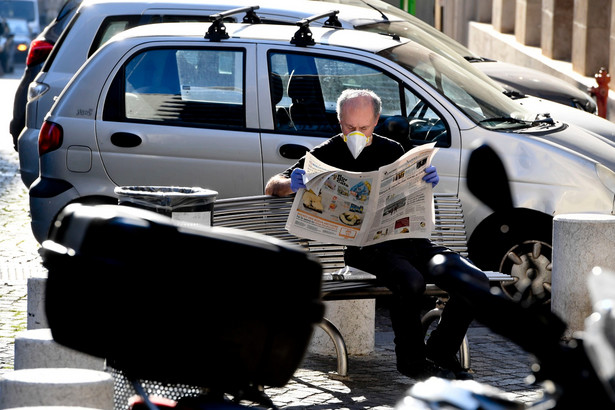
x=529, y=263
x=517, y=243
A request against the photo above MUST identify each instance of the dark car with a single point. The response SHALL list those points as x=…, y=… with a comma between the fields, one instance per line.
x=39, y=50
x=7, y=48
x=22, y=37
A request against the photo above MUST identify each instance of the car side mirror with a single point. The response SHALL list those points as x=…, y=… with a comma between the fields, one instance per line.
x=487, y=179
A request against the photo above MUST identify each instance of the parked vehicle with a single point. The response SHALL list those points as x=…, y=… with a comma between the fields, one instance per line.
x=514, y=78
x=7, y=49
x=22, y=9
x=97, y=20
x=538, y=84
x=22, y=38
x=182, y=105
x=38, y=51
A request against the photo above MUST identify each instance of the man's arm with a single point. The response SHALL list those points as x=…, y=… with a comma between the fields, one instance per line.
x=281, y=185
x=278, y=185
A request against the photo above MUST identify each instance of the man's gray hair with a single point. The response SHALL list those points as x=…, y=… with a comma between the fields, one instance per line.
x=349, y=94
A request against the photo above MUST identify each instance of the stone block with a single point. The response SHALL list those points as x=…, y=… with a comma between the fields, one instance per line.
x=580, y=242
x=37, y=319
x=355, y=319
x=36, y=349
x=57, y=387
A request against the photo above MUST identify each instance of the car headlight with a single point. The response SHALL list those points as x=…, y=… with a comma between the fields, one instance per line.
x=606, y=176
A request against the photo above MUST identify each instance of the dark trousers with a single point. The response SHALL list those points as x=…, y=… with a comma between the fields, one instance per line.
x=402, y=266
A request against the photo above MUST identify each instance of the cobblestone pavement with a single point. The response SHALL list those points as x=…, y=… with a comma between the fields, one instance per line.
x=373, y=382
x=15, y=258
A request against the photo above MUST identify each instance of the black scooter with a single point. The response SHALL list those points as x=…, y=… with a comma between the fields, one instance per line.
x=186, y=313
x=575, y=374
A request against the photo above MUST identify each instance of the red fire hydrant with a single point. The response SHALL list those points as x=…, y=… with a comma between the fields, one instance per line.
x=602, y=91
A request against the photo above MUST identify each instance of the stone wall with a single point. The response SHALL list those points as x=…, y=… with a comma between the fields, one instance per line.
x=570, y=39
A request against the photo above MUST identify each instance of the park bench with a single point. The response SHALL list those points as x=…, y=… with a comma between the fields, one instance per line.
x=267, y=215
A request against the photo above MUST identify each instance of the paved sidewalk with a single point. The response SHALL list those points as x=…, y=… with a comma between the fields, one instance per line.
x=17, y=254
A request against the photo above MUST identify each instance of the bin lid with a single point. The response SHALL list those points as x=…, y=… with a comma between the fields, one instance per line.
x=166, y=196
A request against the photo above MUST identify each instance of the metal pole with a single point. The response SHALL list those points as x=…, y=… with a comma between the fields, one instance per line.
x=408, y=6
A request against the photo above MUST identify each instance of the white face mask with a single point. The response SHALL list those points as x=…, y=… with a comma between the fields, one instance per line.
x=356, y=141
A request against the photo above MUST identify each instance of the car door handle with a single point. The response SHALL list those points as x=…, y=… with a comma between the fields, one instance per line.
x=293, y=151
x=126, y=140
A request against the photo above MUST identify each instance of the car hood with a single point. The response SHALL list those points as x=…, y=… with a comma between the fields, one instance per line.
x=583, y=142
x=534, y=82
x=570, y=115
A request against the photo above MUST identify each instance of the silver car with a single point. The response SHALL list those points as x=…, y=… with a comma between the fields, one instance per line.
x=96, y=21
x=183, y=105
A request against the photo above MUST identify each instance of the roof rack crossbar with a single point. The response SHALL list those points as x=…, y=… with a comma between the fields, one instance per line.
x=217, y=30
x=303, y=36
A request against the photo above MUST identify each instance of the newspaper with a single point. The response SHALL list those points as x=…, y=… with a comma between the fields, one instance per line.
x=364, y=208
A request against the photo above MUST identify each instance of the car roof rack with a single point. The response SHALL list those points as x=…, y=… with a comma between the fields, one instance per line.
x=303, y=36
x=217, y=30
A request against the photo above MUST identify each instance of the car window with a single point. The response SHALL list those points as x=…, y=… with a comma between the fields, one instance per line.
x=185, y=87
x=116, y=24
x=304, y=91
x=426, y=125
x=110, y=27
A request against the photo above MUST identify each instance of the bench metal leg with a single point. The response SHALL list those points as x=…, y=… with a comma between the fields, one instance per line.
x=340, y=346
x=342, y=352
x=464, y=350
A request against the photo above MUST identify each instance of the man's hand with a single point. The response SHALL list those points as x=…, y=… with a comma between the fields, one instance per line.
x=296, y=179
x=431, y=175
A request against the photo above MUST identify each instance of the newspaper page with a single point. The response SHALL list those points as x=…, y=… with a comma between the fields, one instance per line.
x=364, y=208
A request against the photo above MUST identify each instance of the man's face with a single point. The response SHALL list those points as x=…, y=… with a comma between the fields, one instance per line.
x=358, y=115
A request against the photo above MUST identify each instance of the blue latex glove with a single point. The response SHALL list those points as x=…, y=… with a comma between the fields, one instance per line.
x=431, y=175
x=296, y=179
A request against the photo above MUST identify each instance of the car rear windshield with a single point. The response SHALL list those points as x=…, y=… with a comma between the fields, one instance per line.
x=113, y=25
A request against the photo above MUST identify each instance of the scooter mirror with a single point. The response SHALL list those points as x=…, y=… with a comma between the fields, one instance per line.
x=487, y=179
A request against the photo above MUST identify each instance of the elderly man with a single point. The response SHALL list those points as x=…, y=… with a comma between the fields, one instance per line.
x=401, y=265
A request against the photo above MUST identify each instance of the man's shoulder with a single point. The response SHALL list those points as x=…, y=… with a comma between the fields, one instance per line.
x=334, y=140
x=385, y=139
x=379, y=139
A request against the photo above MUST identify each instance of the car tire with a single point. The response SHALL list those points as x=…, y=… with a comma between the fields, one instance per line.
x=518, y=243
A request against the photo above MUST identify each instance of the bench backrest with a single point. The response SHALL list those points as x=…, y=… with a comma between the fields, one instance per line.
x=267, y=215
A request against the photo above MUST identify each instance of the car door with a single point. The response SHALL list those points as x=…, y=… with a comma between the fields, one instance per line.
x=183, y=115
x=299, y=88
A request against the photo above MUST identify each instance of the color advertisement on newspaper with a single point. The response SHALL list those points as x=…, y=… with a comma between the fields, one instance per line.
x=364, y=208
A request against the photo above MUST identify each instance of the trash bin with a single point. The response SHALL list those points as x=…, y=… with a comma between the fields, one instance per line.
x=190, y=205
